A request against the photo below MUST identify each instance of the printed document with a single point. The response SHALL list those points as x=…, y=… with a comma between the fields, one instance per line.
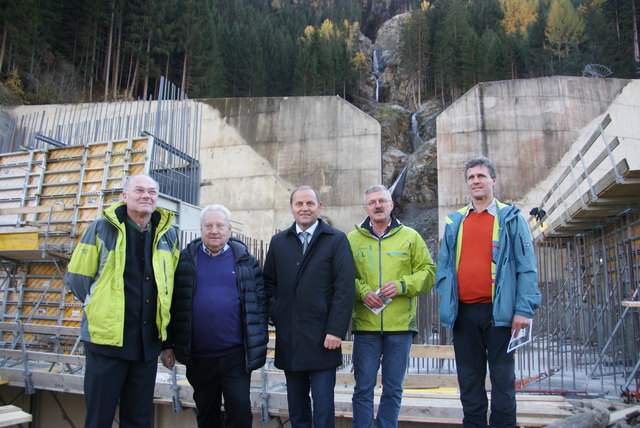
x=524, y=337
x=385, y=302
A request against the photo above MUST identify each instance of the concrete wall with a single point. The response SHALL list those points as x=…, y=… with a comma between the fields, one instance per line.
x=525, y=126
x=255, y=151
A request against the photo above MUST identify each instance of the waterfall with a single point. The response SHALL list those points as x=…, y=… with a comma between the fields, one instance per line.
x=416, y=139
x=398, y=178
x=376, y=73
x=414, y=125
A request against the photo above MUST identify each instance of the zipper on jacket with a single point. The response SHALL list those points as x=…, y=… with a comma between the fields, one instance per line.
x=166, y=281
x=380, y=282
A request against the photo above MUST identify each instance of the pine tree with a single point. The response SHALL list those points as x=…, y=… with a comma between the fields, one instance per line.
x=415, y=51
x=565, y=28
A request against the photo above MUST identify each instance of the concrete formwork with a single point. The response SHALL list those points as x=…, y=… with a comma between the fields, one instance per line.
x=255, y=151
x=525, y=126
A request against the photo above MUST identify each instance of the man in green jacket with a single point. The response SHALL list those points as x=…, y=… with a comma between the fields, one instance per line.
x=393, y=267
x=122, y=272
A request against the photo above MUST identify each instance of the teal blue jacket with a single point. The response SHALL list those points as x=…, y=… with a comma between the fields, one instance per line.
x=516, y=275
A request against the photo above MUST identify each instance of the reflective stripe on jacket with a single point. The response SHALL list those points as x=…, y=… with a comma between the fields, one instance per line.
x=401, y=256
x=516, y=276
x=95, y=275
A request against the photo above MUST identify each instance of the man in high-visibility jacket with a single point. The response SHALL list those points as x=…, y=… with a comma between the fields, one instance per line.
x=122, y=272
x=393, y=267
x=487, y=281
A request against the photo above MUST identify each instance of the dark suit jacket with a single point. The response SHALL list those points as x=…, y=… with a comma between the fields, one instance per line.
x=310, y=296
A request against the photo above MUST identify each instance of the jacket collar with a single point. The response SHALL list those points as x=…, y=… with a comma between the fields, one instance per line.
x=366, y=224
x=321, y=228
x=238, y=247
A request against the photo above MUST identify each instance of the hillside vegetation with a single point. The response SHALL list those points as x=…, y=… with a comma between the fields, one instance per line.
x=55, y=51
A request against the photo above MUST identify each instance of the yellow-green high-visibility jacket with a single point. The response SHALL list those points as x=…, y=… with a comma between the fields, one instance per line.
x=401, y=255
x=95, y=275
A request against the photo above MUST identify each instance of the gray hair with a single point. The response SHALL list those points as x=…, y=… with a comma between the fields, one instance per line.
x=376, y=188
x=304, y=187
x=481, y=161
x=216, y=207
x=127, y=181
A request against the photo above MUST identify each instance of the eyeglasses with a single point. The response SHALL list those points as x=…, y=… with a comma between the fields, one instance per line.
x=374, y=202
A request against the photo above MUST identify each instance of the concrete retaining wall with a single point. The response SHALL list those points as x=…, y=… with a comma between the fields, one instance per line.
x=255, y=151
x=525, y=126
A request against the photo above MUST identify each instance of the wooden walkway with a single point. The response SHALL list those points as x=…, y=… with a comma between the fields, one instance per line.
x=12, y=415
x=428, y=398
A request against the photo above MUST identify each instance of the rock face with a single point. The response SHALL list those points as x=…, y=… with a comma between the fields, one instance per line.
x=416, y=192
x=379, y=12
x=409, y=158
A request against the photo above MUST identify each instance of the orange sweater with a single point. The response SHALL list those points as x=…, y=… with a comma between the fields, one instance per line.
x=474, y=270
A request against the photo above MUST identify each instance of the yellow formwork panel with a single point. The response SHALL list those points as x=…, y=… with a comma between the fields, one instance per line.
x=72, y=314
x=60, y=189
x=14, y=158
x=98, y=149
x=93, y=184
x=65, y=165
x=95, y=162
x=41, y=269
x=66, y=152
x=52, y=284
x=120, y=146
x=18, y=241
x=15, y=193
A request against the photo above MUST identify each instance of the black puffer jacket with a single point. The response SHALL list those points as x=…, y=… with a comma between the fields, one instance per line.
x=252, y=298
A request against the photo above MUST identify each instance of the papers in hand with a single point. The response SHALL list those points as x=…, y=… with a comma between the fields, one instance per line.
x=524, y=337
x=385, y=302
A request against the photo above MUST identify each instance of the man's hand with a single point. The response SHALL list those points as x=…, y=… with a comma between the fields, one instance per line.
x=389, y=290
x=168, y=358
x=372, y=300
x=331, y=341
x=518, y=322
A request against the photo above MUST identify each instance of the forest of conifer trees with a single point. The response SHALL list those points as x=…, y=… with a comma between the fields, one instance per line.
x=55, y=51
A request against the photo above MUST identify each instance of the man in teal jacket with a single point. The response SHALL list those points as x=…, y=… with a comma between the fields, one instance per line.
x=122, y=272
x=393, y=267
x=487, y=281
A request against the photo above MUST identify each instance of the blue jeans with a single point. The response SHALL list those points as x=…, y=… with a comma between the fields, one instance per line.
x=368, y=349
x=322, y=384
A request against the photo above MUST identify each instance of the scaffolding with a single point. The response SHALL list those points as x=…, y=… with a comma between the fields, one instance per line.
x=587, y=233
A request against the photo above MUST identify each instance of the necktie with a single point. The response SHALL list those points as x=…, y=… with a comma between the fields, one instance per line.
x=305, y=241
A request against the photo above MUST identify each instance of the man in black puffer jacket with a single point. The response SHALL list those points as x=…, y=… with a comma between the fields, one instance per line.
x=218, y=326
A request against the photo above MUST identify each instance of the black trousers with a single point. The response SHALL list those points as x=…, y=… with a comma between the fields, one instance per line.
x=214, y=378
x=321, y=383
x=109, y=381
x=477, y=342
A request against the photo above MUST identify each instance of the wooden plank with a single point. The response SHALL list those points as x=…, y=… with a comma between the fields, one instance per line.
x=417, y=351
x=411, y=380
x=433, y=351
x=41, y=329
x=43, y=356
x=6, y=229
x=12, y=415
x=630, y=304
x=428, y=407
x=31, y=210
x=621, y=415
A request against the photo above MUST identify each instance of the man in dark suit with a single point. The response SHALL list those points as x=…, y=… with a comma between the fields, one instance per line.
x=309, y=279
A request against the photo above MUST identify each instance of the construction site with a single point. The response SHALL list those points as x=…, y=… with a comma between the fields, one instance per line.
x=567, y=154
